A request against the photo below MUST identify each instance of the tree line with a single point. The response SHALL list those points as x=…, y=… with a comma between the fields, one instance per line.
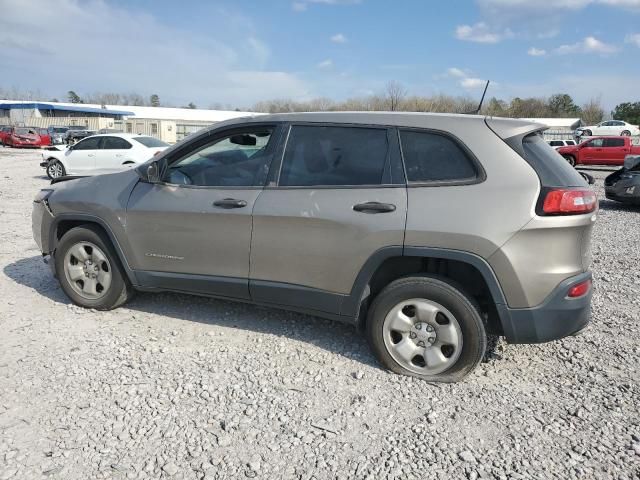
x=394, y=98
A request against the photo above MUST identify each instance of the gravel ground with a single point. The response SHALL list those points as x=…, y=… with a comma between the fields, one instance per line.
x=181, y=387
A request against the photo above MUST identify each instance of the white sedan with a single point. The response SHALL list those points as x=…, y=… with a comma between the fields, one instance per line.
x=100, y=154
x=610, y=127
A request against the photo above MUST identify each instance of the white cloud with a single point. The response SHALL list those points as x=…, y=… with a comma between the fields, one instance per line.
x=338, y=38
x=633, y=39
x=325, y=64
x=481, y=33
x=302, y=5
x=455, y=72
x=536, y=52
x=125, y=50
x=586, y=45
x=471, y=83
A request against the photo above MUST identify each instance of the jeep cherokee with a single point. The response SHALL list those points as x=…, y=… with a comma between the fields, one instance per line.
x=428, y=231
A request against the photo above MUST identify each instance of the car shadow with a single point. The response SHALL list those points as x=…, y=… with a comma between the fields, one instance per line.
x=606, y=204
x=332, y=336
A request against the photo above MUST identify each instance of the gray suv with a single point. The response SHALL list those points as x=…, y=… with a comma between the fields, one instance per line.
x=427, y=231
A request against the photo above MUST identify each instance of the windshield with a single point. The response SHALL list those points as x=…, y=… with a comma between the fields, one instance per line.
x=150, y=142
x=59, y=129
x=24, y=131
x=76, y=127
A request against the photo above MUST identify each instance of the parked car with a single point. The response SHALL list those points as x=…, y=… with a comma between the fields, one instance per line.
x=600, y=151
x=57, y=134
x=76, y=133
x=610, y=127
x=5, y=130
x=561, y=143
x=23, y=137
x=624, y=184
x=45, y=138
x=486, y=233
x=100, y=153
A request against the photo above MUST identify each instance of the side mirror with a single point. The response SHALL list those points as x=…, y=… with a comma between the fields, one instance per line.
x=153, y=173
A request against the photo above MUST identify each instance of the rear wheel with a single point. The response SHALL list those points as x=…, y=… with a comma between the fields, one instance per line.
x=625, y=133
x=428, y=328
x=89, y=269
x=570, y=159
x=55, y=169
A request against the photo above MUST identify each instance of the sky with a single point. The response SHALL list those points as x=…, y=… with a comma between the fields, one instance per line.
x=239, y=52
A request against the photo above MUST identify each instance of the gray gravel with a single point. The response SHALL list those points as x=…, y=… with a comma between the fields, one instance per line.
x=181, y=387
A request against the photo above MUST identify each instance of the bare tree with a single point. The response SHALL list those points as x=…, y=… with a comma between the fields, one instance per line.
x=394, y=93
x=592, y=111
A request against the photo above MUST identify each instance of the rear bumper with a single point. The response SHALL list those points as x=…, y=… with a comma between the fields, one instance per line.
x=558, y=317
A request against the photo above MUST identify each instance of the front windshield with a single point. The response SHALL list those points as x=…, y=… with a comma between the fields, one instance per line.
x=60, y=130
x=24, y=131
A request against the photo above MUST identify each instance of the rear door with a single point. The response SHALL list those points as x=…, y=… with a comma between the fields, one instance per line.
x=81, y=157
x=614, y=151
x=115, y=152
x=337, y=197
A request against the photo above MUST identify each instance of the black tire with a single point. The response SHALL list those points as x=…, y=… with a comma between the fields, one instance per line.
x=625, y=133
x=449, y=295
x=50, y=169
x=570, y=159
x=119, y=291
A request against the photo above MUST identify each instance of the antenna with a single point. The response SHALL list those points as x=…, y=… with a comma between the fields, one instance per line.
x=477, y=110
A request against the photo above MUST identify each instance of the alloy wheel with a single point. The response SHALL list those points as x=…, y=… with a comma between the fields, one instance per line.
x=88, y=271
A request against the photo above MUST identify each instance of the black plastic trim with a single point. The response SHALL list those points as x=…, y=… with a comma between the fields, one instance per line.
x=295, y=295
x=231, y=287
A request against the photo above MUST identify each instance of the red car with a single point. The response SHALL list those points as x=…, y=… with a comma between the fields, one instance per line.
x=4, y=133
x=23, y=137
x=600, y=151
x=45, y=137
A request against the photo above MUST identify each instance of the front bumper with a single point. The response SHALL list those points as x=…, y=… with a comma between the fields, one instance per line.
x=41, y=221
x=557, y=317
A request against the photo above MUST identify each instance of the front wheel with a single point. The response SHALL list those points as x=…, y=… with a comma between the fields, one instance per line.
x=55, y=169
x=625, y=133
x=89, y=270
x=426, y=327
x=570, y=159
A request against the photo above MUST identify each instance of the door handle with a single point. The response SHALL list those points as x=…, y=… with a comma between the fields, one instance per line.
x=374, y=207
x=229, y=203
x=91, y=155
x=119, y=155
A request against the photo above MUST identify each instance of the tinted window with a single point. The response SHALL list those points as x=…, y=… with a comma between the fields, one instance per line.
x=614, y=142
x=90, y=143
x=556, y=143
x=570, y=142
x=552, y=169
x=596, y=143
x=150, y=142
x=430, y=157
x=317, y=155
x=240, y=159
x=115, y=143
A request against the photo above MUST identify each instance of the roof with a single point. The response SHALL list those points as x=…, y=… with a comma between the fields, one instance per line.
x=157, y=113
x=74, y=107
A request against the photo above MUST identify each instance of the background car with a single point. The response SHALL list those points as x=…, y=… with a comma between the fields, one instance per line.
x=624, y=185
x=45, y=138
x=610, y=127
x=75, y=133
x=560, y=143
x=57, y=134
x=4, y=133
x=600, y=151
x=23, y=137
x=101, y=154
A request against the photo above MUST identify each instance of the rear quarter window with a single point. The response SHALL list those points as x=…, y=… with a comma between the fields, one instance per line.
x=433, y=157
x=552, y=169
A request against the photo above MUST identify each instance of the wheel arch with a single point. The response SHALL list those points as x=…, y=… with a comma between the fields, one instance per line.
x=467, y=269
x=65, y=222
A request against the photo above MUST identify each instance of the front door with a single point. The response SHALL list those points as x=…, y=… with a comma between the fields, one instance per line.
x=592, y=152
x=81, y=157
x=335, y=204
x=192, y=231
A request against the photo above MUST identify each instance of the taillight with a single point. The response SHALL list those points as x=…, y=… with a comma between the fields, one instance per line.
x=580, y=289
x=563, y=201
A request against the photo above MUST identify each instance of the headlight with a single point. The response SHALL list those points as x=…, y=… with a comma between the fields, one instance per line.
x=42, y=195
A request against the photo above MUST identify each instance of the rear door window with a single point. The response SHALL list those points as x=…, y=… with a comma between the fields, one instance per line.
x=556, y=143
x=614, y=142
x=115, y=143
x=328, y=155
x=433, y=157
